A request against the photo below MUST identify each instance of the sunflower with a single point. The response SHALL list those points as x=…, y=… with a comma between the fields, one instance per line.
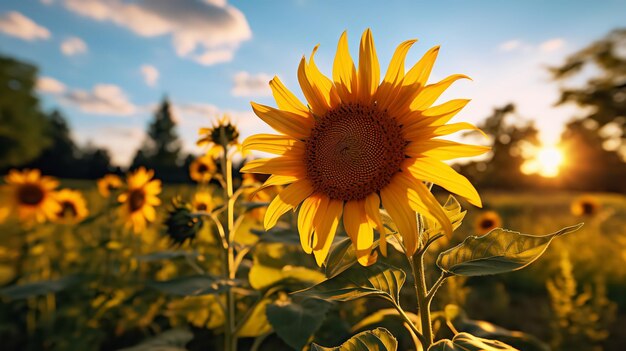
x=220, y=134
x=202, y=169
x=203, y=202
x=487, y=221
x=585, y=205
x=139, y=199
x=73, y=207
x=32, y=195
x=360, y=143
x=109, y=183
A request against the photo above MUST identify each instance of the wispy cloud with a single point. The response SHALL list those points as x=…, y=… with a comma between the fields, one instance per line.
x=150, y=75
x=246, y=84
x=73, y=46
x=552, y=45
x=207, y=32
x=17, y=25
x=102, y=99
x=510, y=45
x=49, y=85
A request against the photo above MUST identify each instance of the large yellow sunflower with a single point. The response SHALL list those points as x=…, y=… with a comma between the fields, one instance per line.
x=359, y=143
x=109, y=183
x=73, y=207
x=139, y=199
x=202, y=169
x=32, y=195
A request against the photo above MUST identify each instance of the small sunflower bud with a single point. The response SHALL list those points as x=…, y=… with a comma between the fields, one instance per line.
x=181, y=224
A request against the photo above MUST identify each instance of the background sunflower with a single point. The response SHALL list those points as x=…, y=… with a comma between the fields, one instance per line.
x=140, y=199
x=32, y=195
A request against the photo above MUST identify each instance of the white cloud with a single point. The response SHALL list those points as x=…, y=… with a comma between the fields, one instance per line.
x=150, y=75
x=552, y=45
x=50, y=85
x=73, y=46
x=47, y=2
x=103, y=99
x=17, y=25
x=510, y=45
x=246, y=84
x=208, y=32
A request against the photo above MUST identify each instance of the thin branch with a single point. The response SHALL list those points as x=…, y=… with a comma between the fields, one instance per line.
x=437, y=285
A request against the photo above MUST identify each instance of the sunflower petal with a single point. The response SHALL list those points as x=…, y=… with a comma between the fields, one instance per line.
x=281, y=165
x=319, y=103
x=284, y=122
x=434, y=171
x=325, y=228
x=359, y=230
x=274, y=180
x=372, y=208
x=422, y=201
x=286, y=100
x=432, y=92
x=388, y=89
x=395, y=201
x=274, y=144
x=443, y=149
x=369, y=69
x=286, y=200
x=323, y=83
x=344, y=72
x=306, y=216
x=419, y=73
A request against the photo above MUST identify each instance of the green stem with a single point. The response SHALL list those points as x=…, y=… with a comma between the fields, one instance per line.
x=229, y=255
x=423, y=302
x=409, y=322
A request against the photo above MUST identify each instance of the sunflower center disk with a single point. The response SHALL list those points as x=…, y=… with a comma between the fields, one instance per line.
x=487, y=223
x=68, y=210
x=353, y=151
x=136, y=200
x=30, y=194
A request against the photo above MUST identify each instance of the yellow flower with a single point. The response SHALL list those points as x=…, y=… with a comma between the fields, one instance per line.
x=73, y=207
x=202, y=169
x=108, y=183
x=220, y=134
x=139, y=199
x=202, y=202
x=32, y=195
x=585, y=205
x=487, y=221
x=359, y=143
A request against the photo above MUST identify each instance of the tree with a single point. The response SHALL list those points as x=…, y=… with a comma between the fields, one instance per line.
x=595, y=141
x=503, y=169
x=161, y=151
x=22, y=125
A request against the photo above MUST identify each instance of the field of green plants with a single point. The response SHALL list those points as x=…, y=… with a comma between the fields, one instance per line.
x=97, y=285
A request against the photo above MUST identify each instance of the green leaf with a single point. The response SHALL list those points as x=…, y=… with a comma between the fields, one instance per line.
x=458, y=318
x=278, y=235
x=274, y=263
x=296, y=321
x=42, y=287
x=498, y=251
x=453, y=211
x=385, y=316
x=257, y=323
x=165, y=255
x=468, y=342
x=193, y=285
x=379, y=339
x=169, y=340
x=378, y=280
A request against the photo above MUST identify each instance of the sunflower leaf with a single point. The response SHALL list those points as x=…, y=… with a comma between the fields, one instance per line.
x=379, y=339
x=468, y=342
x=193, y=285
x=498, y=251
x=296, y=320
x=41, y=287
x=378, y=280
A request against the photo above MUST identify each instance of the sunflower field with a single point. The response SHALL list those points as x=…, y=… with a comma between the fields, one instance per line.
x=346, y=229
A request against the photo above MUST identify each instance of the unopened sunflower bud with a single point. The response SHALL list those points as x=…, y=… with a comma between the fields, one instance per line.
x=181, y=224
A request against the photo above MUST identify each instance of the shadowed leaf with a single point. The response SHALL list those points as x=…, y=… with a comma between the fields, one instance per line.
x=296, y=321
x=379, y=339
x=468, y=342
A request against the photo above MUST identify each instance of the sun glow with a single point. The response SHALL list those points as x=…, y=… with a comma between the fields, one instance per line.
x=546, y=162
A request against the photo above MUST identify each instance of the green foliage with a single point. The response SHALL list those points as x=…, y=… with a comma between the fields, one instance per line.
x=169, y=340
x=580, y=320
x=498, y=251
x=38, y=288
x=296, y=320
x=468, y=342
x=194, y=285
x=378, y=280
x=379, y=339
x=22, y=124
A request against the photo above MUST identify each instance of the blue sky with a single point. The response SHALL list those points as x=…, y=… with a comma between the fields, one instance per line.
x=105, y=63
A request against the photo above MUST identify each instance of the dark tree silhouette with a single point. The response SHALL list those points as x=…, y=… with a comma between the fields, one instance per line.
x=595, y=141
x=503, y=168
x=22, y=125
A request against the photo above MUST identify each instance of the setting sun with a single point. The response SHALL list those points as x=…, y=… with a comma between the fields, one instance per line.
x=545, y=162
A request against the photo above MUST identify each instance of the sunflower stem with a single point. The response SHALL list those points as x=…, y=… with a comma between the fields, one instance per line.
x=423, y=302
